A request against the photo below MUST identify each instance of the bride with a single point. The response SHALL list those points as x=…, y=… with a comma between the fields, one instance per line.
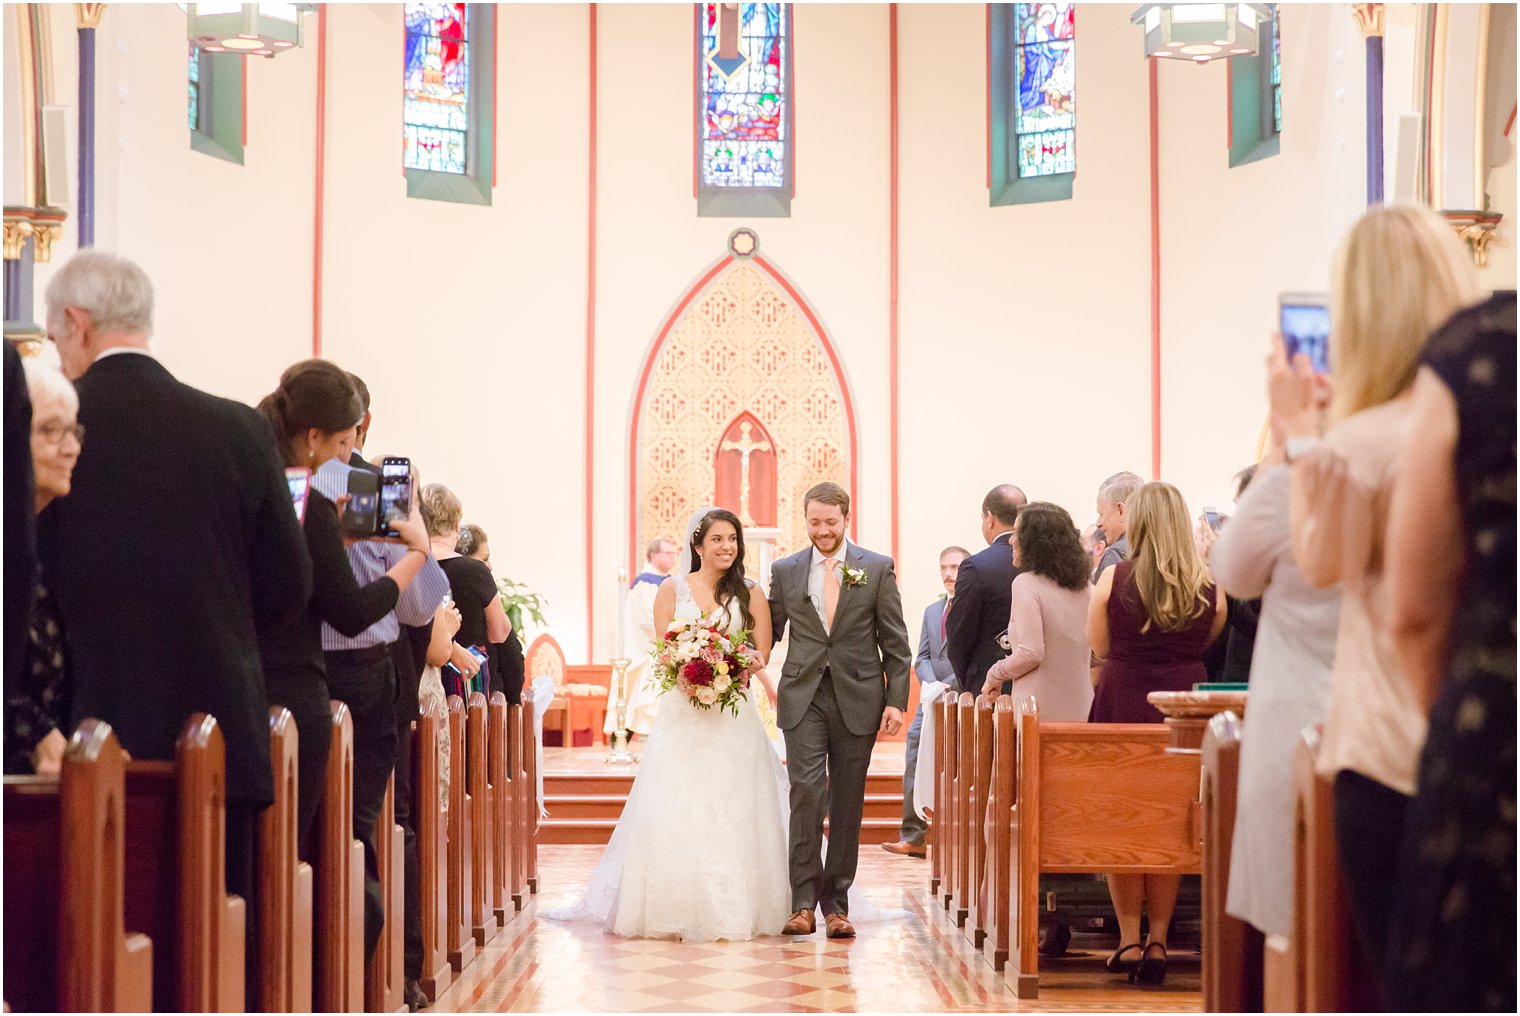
x=700, y=852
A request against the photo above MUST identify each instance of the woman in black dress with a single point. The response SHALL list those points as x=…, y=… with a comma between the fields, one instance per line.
x=506, y=658
x=1451, y=566
x=483, y=620
x=315, y=414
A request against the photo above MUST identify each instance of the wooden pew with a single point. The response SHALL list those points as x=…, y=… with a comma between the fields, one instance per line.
x=519, y=741
x=384, y=984
x=285, y=883
x=461, y=943
x=503, y=807
x=67, y=948
x=1232, y=949
x=948, y=751
x=965, y=830
x=530, y=797
x=1000, y=803
x=432, y=850
x=176, y=874
x=1072, y=815
x=338, y=981
x=981, y=780
x=482, y=837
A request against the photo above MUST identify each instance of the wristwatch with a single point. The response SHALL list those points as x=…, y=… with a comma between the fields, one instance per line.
x=1296, y=447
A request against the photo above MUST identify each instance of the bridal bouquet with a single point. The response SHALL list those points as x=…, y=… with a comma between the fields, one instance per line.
x=704, y=662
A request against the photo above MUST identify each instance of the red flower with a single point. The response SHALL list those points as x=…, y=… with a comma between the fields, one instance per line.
x=698, y=672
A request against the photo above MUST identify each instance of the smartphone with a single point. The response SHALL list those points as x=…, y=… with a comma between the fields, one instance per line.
x=395, y=492
x=361, y=516
x=1304, y=319
x=1212, y=517
x=298, y=478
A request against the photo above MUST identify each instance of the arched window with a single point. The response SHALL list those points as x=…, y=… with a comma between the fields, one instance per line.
x=744, y=109
x=1033, y=101
x=448, y=101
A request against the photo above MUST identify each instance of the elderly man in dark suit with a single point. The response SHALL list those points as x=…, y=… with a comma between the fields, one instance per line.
x=176, y=548
x=930, y=665
x=984, y=592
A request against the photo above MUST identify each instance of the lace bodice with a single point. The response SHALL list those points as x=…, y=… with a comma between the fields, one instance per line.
x=687, y=608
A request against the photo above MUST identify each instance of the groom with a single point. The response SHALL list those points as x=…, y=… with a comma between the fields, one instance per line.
x=845, y=680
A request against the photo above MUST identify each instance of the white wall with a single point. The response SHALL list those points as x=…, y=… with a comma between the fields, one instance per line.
x=1025, y=330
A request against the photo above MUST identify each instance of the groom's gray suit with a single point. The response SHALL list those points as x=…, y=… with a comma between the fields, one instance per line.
x=835, y=686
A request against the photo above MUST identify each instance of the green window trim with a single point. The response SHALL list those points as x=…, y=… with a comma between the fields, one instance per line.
x=220, y=133
x=1253, y=134
x=474, y=186
x=1008, y=188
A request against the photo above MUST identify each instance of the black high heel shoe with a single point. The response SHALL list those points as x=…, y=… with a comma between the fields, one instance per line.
x=1151, y=970
x=1116, y=965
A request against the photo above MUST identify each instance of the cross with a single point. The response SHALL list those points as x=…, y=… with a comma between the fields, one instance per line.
x=745, y=446
x=727, y=58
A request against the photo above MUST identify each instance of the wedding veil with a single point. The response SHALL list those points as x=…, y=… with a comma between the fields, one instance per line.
x=684, y=568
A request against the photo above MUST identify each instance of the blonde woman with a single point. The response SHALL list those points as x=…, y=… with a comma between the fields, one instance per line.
x=1400, y=273
x=1151, y=620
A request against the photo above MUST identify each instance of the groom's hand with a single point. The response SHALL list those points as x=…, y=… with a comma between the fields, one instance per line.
x=891, y=721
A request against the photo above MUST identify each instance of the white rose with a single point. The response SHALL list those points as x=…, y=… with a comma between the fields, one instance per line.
x=706, y=696
x=722, y=685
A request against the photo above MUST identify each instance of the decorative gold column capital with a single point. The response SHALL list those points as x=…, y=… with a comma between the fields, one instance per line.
x=44, y=233
x=1369, y=17
x=17, y=231
x=88, y=15
x=1476, y=229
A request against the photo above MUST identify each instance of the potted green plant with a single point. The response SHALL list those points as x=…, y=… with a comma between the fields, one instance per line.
x=518, y=601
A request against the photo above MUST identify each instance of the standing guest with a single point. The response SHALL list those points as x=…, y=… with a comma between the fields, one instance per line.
x=1399, y=275
x=930, y=665
x=37, y=709
x=983, y=591
x=483, y=619
x=1229, y=660
x=1151, y=621
x=1451, y=575
x=1252, y=559
x=1095, y=545
x=476, y=545
x=165, y=622
x=1047, y=621
x=314, y=413
x=1113, y=518
x=643, y=696
x=20, y=524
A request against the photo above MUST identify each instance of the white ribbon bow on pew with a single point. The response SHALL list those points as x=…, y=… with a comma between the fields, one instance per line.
x=924, y=777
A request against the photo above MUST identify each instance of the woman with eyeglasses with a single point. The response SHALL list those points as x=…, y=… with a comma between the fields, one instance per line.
x=37, y=710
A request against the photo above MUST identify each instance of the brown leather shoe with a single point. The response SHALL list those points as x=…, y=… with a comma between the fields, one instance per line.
x=802, y=922
x=905, y=849
x=839, y=926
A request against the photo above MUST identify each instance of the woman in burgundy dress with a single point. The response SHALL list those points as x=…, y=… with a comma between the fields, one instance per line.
x=1151, y=620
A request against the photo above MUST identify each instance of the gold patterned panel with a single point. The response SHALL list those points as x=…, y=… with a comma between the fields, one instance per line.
x=742, y=345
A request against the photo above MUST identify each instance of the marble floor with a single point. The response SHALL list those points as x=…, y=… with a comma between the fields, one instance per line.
x=918, y=964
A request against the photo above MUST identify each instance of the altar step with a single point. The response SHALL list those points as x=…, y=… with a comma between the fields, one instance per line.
x=584, y=808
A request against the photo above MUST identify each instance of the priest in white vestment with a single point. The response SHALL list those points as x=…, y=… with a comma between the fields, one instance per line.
x=643, y=693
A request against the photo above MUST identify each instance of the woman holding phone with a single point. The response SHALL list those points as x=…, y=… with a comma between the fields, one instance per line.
x=314, y=414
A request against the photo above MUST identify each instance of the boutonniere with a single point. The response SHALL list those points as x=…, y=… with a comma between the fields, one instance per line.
x=854, y=576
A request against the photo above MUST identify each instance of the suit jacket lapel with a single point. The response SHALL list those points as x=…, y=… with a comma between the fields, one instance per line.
x=853, y=558
x=804, y=561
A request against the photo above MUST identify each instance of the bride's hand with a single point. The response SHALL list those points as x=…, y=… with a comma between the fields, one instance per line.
x=760, y=675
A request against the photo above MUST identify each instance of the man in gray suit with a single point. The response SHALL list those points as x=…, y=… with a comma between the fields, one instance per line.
x=931, y=664
x=845, y=680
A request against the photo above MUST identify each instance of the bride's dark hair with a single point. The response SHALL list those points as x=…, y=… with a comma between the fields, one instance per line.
x=732, y=586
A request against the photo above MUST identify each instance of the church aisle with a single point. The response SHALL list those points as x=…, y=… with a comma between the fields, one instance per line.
x=921, y=964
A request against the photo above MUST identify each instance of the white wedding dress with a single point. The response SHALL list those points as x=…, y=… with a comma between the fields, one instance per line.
x=700, y=852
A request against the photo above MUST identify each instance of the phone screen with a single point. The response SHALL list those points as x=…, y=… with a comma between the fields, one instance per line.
x=1305, y=325
x=299, y=480
x=363, y=499
x=1212, y=518
x=395, y=490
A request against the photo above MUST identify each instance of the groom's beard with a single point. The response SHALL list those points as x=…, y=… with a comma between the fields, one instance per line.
x=826, y=551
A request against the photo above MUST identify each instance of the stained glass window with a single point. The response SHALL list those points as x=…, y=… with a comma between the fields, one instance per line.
x=1045, y=77
x=745, y=119
x=195, y=87
x=1276, y=74
x=436, y=109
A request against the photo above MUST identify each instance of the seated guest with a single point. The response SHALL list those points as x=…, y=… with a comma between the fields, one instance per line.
x=1451, y=572
x=176, y=548
x=37, y=709
x=505, y=658
x=1400, y=274
x=1151, y=621
x=1252, y=559
x=483, y=619
x=931, y=665
x=314, y=414
x=982, y=592
x=20, y=525
x=1113, y=518
x=1047, y=624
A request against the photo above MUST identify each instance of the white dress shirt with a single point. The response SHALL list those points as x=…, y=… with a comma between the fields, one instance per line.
x=815, y=577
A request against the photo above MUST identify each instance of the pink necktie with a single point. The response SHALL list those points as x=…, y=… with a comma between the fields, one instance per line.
x=830, y=591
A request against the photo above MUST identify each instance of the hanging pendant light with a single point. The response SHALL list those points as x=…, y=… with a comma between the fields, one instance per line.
x=246, y=29
x=1201, y=32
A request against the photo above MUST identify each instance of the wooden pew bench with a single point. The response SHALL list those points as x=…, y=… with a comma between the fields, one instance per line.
x=66, y=945
x=461, y=941
x=285, y=883
x=432, y=849
x=338, y=915
x=1232, y=949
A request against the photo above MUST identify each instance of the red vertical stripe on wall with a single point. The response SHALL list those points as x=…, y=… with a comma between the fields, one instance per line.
x=893, y=337
x=591, y=342
x=1155, y=277
x=321, y=173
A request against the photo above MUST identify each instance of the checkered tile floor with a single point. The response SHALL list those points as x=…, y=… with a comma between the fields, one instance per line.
x=922, y=964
